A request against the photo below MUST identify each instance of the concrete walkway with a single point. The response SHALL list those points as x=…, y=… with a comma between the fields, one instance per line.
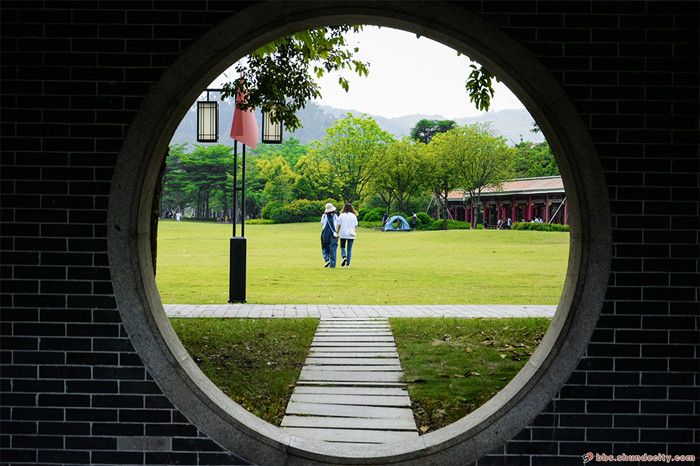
x=350, y=390
x=355, y=311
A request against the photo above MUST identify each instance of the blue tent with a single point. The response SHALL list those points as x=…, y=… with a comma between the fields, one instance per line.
x=402, y=224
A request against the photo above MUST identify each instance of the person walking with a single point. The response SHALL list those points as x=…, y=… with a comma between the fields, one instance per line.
x=347, y=228
x=329, y=235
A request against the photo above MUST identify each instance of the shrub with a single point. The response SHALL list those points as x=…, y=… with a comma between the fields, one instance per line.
x=361, y=213
x=270, y=211
x=301, y=210
x=373, y=224
x=259, y=221
x=424, y=219
x=451, y=225
x=540, y=226
x=374, y=215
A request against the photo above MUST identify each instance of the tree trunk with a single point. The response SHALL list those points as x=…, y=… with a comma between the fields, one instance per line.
x=155, y=210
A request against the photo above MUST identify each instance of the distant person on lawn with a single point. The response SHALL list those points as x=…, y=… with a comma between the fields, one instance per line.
x=347, y=228
x=329, y=236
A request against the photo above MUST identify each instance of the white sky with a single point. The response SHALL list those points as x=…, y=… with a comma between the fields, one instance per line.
x=407, y=75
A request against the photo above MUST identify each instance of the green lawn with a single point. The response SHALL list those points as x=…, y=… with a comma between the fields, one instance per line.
x=453, y=366
x=256, y=362
x=285, y=266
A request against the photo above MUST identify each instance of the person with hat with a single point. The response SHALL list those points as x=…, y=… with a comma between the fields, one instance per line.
x=329, y=235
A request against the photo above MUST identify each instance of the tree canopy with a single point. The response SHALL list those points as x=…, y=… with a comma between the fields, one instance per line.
x=278, y=79
x=278, y=75
x=400, y=172
x=351, y=147
x=424, y=130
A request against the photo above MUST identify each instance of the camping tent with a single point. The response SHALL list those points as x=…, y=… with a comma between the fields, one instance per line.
x=401, y=224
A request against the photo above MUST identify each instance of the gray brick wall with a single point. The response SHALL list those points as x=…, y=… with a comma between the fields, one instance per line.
x=74, y=75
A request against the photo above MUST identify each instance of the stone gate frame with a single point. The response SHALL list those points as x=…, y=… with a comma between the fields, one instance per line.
x=129, y=233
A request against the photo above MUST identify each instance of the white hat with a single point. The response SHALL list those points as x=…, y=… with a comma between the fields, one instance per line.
x=330, y=208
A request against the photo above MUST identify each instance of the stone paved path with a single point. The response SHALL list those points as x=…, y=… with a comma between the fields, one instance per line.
x=350, y=388
x=356, y=311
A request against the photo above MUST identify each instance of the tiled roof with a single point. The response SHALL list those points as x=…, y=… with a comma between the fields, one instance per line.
x=543, y=185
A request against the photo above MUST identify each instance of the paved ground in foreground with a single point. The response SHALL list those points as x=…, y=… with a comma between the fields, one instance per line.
x=350, y=389
x=355, y=311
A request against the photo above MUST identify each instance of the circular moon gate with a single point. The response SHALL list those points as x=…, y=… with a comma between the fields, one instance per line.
x=162, y=353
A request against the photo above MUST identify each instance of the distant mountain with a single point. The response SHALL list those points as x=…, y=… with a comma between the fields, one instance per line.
x=512, y=124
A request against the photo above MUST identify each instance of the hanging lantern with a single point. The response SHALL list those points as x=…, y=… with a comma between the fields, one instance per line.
x=207, y=121
x=271, y=132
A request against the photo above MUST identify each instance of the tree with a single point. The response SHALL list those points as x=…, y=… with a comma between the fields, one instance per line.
x=277, y=76
x=351, y=147
x=482, y=159
x=426, y=129
x=173, y=187
x=200, y=177
x=291, y=150
x=533, y=160
x=323, y=182
x=278, y=177
x=400, y=172
x=441, y=170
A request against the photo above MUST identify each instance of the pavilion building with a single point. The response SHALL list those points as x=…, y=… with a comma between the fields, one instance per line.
x=520, y=200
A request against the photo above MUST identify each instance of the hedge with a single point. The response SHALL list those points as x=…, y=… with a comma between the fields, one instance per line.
x=301, y=210
x=540, y=226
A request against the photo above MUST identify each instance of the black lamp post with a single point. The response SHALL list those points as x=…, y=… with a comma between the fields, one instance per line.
x=208, y=131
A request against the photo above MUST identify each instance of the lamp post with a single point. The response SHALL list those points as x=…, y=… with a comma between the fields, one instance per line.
x=244, y=130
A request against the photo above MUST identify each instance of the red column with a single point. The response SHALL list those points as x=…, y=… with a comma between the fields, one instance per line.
x=566, y=213
x=529, y=208
x=546, y=209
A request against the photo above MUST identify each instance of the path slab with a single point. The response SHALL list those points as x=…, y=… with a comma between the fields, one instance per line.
x=359, y=361
x=350, y=376
x=354, y=436
x=366, y=412
x=341, y=390
x=358, y=400
x=348, y=423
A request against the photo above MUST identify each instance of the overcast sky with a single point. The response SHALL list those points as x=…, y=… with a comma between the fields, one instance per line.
x=407, y=75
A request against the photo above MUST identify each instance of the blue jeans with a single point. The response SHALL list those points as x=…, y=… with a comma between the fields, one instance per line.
x=329, y=248
x=342, y=248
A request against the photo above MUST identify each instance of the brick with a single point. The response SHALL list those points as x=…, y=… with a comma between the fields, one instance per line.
x=65, y=428
x=91, y=443
x=684, y=436
x=148, y=415
x=64, y=457
x=220, y=458
x=91, y=415
x=112, y=457
x=171, y=430
x=118, y=429
x=637, y=420
x=118, y=401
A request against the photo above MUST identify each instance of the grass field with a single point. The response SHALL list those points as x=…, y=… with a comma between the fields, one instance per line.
x=285, y=266
x=453, y=366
